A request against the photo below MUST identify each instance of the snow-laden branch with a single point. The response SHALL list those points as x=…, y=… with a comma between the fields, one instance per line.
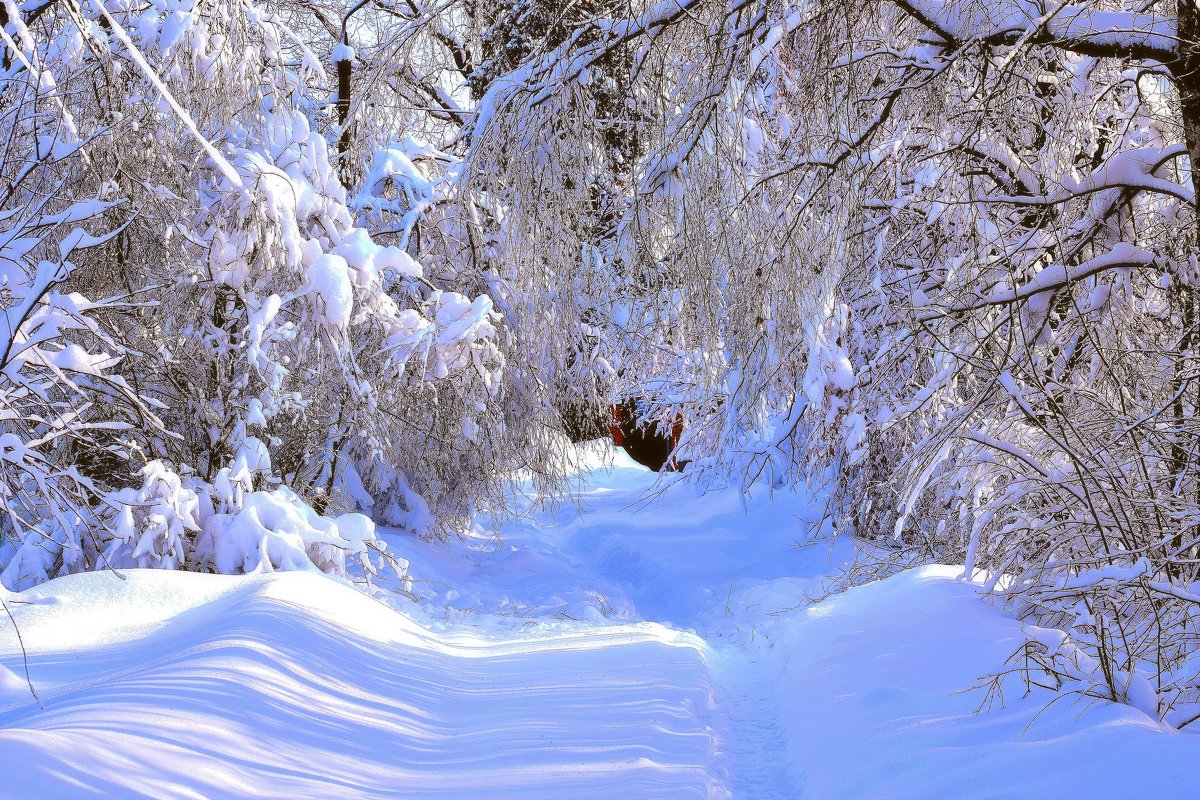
x=221, y=162
x=1077, y=27
x=1132, y=170
x=1036, y=290
x=568, y=62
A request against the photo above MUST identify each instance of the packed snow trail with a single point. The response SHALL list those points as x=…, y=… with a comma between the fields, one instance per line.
x=758, y=736
x=650, y=642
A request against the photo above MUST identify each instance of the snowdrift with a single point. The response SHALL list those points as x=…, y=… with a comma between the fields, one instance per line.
x=170, y=684
x=528, y=671
x=876, y=692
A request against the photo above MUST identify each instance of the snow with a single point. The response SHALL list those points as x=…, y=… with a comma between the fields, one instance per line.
x=458, y=318
x=298, y=686
x=1036, y=292
x=646, y=641
x=1078, y=25
x=218, y=159
x=889, y=657
x=1132, y=169
x=276, y=530
x=329, y=278
x=395, y=259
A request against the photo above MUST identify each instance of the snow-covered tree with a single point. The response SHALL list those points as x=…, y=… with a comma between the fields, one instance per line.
x=941, y=253
x=287, y=355
x=68, y=420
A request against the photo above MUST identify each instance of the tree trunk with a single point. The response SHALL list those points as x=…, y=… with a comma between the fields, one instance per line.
x=1186, y=72
x=344, y=68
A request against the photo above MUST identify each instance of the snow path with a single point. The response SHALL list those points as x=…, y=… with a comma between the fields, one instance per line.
x=758, y=744
x=630, y=648
x=636, y=549
x=867, y=695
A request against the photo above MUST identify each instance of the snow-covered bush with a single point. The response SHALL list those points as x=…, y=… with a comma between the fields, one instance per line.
x=265, y=310
x=285, y=363
x=245, y=531
x=225, y=527
x=150, y=526
x=317, y=337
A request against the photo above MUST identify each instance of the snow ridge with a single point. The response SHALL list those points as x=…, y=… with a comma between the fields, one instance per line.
x=526, y=670
x=295, y=686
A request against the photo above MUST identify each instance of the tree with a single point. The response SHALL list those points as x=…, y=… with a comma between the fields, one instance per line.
x=987, y=210
x=69, y=419
x=293, y=362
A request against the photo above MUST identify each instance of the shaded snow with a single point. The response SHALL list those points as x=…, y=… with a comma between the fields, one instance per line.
x=630, y=546
x=883, y=672
x=293, y=685
x=629, y=646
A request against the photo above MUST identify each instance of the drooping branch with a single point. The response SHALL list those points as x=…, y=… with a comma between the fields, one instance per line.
x=1077, y=28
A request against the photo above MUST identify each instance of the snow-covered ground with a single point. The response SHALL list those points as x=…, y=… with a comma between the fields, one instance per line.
x=632, y=646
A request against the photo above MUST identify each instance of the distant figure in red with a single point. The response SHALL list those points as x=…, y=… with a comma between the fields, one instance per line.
x=645, y=442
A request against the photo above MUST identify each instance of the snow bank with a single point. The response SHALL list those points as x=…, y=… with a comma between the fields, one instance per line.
x=172, y=684
x=871, y=685
x=525, y=672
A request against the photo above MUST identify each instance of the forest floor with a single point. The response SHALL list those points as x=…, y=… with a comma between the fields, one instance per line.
x=648, y=641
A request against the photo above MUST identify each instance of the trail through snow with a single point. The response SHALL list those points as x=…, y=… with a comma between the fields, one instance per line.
x=649, y=642
x=632, y=547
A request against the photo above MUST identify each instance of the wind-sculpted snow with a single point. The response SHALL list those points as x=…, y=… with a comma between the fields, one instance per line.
x=168, y=684
x=527, y=671
x=888, y=673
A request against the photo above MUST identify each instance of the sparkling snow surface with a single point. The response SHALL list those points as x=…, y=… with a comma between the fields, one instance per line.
x=626, y=648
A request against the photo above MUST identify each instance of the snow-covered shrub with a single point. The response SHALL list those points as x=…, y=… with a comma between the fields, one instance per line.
x=329, y=346
x=226, y=528
x=265, y=531
x=150, y=526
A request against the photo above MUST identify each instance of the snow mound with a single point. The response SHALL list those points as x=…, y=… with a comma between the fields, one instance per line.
x=875, y=694
x=170, y=684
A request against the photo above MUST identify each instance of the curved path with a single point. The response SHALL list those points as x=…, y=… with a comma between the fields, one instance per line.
x=631, y=647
